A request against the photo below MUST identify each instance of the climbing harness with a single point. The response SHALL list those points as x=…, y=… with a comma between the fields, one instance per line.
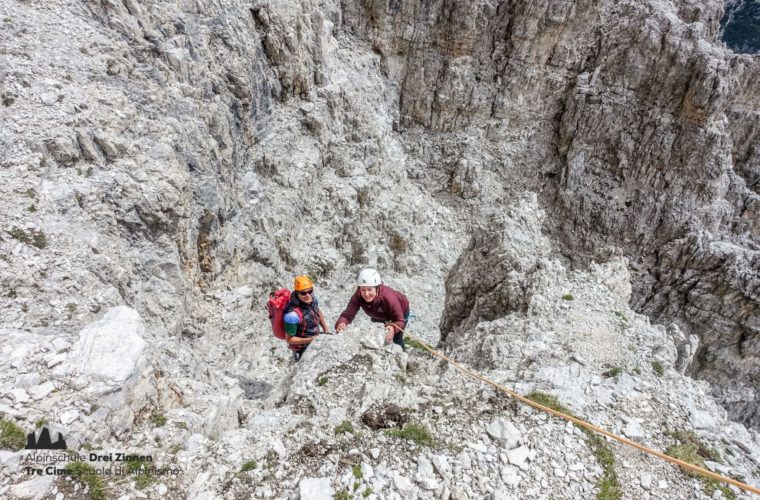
x=584, y=424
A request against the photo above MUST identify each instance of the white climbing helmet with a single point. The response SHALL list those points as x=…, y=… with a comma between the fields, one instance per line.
x=369, y=277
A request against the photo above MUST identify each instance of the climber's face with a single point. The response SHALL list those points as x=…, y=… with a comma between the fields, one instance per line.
x=368, y=293
x=306, y=296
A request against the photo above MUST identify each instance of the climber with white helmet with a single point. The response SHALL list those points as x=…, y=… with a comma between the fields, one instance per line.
x=302, y=316
x=382, y=304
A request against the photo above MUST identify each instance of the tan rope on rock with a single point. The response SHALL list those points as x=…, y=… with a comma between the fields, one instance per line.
x=586, y=425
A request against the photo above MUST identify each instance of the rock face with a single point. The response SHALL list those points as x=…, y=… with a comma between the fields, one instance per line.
x=165, y=165
x=645, y=125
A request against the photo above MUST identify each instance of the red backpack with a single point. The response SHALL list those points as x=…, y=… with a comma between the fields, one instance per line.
x=276, y=308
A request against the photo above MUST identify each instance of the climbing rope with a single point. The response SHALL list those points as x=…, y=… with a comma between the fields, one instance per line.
x=586, y=425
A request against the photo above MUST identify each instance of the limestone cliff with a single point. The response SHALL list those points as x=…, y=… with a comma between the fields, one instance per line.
x=185, y=158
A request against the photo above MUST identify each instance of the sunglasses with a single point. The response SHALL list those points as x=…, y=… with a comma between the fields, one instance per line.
x=306, y=292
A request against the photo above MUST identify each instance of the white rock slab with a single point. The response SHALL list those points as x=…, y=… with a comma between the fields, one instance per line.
x=109, y=350
x=518, y=456
x=19, y=395
x=403, y=485
x=510, y=476
x=315, y=488
x=504, y=431
x=34, y=488
x=40, y=391
x=69, y=416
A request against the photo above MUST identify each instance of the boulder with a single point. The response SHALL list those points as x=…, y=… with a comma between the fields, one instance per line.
x=505, y=432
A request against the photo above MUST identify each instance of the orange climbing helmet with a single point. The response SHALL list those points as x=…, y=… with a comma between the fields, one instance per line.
x=302, y=282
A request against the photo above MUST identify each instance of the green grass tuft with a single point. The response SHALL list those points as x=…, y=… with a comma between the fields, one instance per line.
x=342, y=495
x=568, y=296
x=414, y=433
x=19, y=234
x=322, y=381
x=40, y=240
x=8, y=99
x=691, y=449
x=344, y=428
x=356, y=470
x=547, y=400
x=85, y=472
x=12, y=437
x=658, y=368
x=144, y=480
x=158, y=419
x=249, y=465
x=614, y=372
x=134, y=466
x=621, y=316
x=414, y=344
x=36, y=238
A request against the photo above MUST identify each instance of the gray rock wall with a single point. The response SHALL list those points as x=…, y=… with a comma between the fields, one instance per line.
x=648, y=129
x=174, y=150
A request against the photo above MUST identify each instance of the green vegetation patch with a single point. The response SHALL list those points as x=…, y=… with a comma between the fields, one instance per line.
x=35, y=238
x=658, y=368
x=689, y=448
x=415, y=433
x=84, y=472
x=12, y=437
x=8, y=98
x=344, y=427
x=608, y=484
x=621, y=316
x=249, y=465
x=568, y=296
x=158, y=419
x=356, y=470
x=142, y=479
x=414, y=344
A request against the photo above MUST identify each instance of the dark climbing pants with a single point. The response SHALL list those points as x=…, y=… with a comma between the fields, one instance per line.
x=398, y=337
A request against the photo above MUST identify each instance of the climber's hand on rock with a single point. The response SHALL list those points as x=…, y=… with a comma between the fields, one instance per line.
x=389, y=332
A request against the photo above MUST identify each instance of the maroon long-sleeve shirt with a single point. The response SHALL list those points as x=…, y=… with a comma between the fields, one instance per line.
x=388, y=305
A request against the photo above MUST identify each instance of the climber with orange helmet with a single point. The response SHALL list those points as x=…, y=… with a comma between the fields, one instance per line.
x=382, y=304
x=302, y=316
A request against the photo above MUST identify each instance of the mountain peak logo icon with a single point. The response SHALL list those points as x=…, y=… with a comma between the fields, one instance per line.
x=44, y=442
